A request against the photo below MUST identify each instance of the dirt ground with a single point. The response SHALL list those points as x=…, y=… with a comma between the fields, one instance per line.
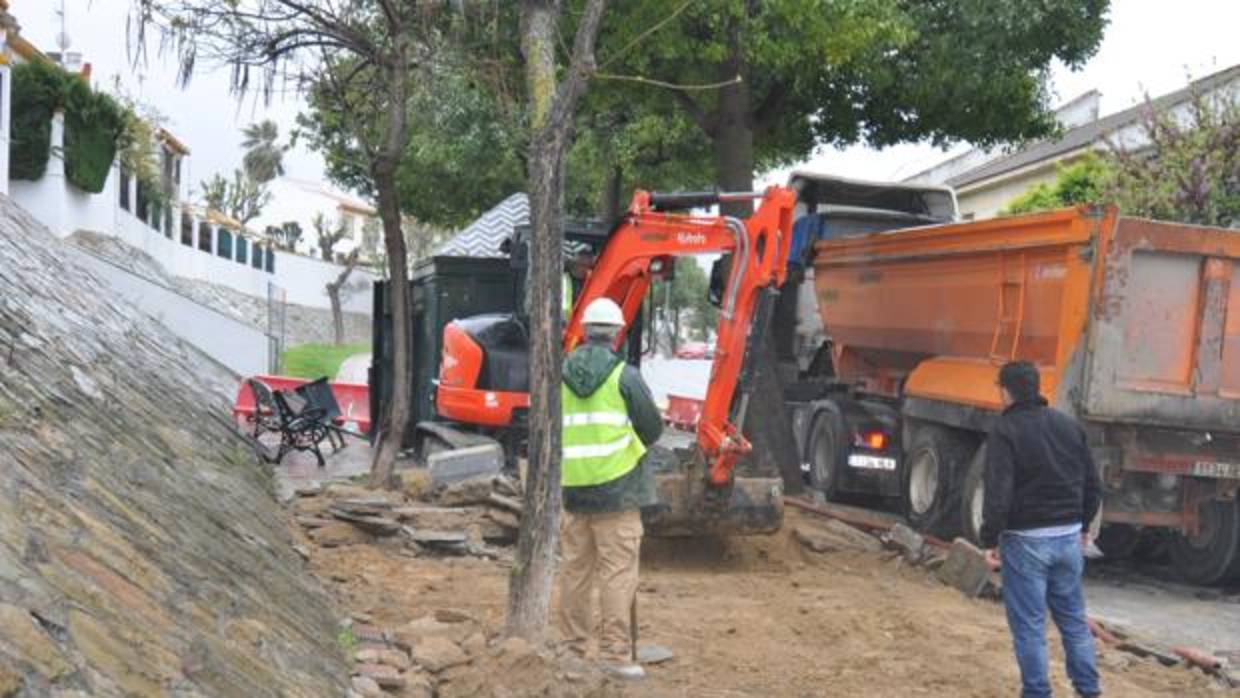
x=757, y=617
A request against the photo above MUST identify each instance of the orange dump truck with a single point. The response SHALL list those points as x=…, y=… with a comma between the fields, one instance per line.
x=1134, y=325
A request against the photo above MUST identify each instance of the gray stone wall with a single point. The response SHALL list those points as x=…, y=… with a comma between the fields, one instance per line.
x=141, y=552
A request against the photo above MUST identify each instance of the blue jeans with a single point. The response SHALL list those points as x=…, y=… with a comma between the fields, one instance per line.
x=1041, y=573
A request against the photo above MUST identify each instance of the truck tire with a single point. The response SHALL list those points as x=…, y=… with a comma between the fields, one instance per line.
x=828, y=449
x=934, y=465
x=1213, y=555
x=1119, y=541
x=973, y=497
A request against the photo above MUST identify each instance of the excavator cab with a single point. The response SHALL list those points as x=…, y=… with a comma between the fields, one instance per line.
x=698, y=487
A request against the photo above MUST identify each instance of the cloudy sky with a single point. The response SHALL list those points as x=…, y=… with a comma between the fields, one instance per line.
x=1150, y=46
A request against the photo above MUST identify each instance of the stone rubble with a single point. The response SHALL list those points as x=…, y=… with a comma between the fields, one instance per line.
x=465, y=517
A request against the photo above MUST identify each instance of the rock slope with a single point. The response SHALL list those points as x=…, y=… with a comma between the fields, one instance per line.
x=141, y=553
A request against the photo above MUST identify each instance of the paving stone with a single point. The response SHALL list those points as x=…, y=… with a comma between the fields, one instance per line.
x=395, y=658
x=366, y=686
x=382, y=674
x=452, y=615
x=965, y=568
x=654, y=654
x=456, y=465
x=907, y=541
x=438, y=653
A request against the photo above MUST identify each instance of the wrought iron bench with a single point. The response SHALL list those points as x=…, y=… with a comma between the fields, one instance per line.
x=302, y=425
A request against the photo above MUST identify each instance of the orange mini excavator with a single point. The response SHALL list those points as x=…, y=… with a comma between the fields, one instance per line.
x=483, y=378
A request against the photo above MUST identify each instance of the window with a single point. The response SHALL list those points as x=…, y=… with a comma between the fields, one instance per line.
x=271, y=261
x=187, y=229
x=241, y=258
x=204, y=236
x=168, y=221
x=124, y=189
x=256, y=259
x=224, y=247
x=156, y=217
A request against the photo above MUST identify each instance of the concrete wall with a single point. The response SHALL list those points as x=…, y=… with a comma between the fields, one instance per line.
x=240, y=347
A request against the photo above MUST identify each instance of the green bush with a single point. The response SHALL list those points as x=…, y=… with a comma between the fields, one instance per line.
x=36, y=91
x=93, y=125
x=1082, y=182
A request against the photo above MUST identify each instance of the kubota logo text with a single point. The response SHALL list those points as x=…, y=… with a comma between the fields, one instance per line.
x=691, y=238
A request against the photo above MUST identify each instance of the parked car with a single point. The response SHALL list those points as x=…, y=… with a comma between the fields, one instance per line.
x=695, y=350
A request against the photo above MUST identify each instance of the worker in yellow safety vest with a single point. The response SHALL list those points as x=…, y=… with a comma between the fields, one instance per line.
x=609, y=417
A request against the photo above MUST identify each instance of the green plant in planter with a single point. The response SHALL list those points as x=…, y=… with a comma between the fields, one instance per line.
x=94, y=123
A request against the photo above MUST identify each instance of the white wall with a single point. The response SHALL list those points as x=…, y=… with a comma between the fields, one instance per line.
x=66, y=209
x=243, y=349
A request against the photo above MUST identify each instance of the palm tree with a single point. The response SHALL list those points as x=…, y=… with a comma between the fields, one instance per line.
x=264, y=157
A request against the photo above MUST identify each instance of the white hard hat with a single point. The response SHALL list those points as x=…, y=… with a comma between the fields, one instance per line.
x=603, y=311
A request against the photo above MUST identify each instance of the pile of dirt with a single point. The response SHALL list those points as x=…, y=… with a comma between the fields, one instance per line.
x=761, y=616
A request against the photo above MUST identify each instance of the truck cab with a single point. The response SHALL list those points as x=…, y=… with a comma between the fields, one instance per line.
x=847, y=433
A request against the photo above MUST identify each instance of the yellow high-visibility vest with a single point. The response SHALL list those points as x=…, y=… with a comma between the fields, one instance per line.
x=599, y=442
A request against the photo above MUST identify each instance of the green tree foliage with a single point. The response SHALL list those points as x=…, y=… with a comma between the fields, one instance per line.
x=1183, y=169
x=240, y=198
x=1082, y=182
x=264, y=156
x=465, y=151
x=684, y=304
x=796, y=74
x=140, y=152
x=286, y=235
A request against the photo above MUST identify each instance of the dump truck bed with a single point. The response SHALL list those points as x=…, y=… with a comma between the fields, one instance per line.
x=1126, y=318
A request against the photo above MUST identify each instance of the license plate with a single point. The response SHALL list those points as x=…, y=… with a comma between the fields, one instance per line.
x=1216, y=469
x=861, y=460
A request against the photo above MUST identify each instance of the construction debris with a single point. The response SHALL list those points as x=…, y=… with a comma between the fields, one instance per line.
x=965, y=569
x=909, y=542
x=483, y=460
x=462, y=518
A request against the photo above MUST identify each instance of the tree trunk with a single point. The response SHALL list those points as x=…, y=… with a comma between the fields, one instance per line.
x=613, y=202
x=383, y=169
x=732, y=139
x=551, y=110
x=333, y=295
x=529, y=589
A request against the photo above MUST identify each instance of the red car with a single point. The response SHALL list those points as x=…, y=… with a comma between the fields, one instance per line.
x=695, y=350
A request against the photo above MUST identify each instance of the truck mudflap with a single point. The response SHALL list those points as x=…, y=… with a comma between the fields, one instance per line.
x=687, y=506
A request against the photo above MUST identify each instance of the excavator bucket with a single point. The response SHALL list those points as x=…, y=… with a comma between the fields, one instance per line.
x=686, y=506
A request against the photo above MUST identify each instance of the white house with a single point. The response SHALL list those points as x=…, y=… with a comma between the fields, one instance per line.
x=985, y=182
x=188, y=241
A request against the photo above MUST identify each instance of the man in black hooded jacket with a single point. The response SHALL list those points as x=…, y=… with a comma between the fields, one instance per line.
x=1042, y=492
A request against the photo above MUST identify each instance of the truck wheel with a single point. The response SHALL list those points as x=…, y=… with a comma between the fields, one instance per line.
x=1213, y=555
x=1118, y=541
x=931, y=476
x=973, y=497
x=827, y=449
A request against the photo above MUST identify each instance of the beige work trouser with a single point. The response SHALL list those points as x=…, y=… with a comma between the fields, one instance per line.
x=599, y=550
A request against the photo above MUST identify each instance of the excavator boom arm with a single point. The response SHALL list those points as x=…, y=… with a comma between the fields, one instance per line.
x=759, y=247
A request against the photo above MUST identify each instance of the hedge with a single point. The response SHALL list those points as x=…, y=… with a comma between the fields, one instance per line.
x=94, y=123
